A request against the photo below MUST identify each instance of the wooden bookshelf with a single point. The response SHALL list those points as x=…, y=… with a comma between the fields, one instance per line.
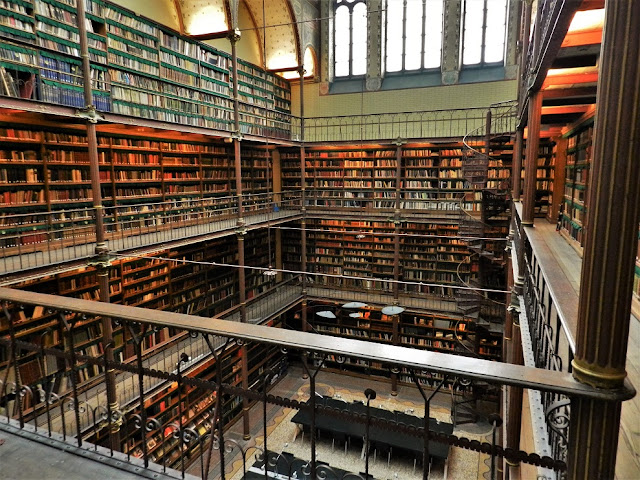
x=44, y=170
x=138, y=68
x=426, y=331
x=366, y=249
x=576, y=185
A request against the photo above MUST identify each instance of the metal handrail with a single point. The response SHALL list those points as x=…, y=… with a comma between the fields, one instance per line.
x=511, y=106
x=448, y=364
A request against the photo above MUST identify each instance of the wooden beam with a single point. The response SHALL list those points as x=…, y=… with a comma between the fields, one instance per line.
x=571, y=76
x=591, y=4
x=565, y=109
x=582, y=37
x=571, y=92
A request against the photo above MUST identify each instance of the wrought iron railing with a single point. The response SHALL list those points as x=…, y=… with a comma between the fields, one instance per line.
x=193, y=439
x=500, y=122
x=39, y=239
x=433, y=124
x=372, y=202
x=551, y=339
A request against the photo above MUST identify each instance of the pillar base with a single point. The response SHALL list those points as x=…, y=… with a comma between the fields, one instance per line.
x=246, y=436
x=597, y=376
x=527, y=224
x=394, y=393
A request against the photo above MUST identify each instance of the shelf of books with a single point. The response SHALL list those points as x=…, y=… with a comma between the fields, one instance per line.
x=184, y=280
x=434, y=173
x=365, y=249
x=193, y=407
x=425, y=331
x=431, y=176
x=544, y=176
x=255, y=163
x=499, y=171
x=577, y=180
x=44, y=171
x=138, y=68
x=290, y=167
x=352, y=177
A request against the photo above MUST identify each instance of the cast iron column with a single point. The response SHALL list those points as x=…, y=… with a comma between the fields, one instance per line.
x=303, y=208
x=396, y=257
x=609, y=252
x=101, y=251
x=516, y=168
x=234, y=37
x=531, y=159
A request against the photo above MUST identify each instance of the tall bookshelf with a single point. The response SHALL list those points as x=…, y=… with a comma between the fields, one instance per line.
x=178, y=280
x=138, y=68
x=350, y=248
x=419, y=330
x=577, y=180
x=366, y=176
x=47, y=170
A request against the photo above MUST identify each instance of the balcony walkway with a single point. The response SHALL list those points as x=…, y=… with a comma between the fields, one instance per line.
x=137, y=239
x=24, y=455
x=562, y=267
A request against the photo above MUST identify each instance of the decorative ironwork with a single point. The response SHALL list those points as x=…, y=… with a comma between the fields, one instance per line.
x=168, y=431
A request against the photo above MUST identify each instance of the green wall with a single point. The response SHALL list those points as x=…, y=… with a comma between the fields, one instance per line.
x=405, y=100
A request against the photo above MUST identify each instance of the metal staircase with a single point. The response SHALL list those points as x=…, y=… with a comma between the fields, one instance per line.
x=477, y=229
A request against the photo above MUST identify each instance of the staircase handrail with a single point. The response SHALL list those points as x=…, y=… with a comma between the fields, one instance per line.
x=511, y=111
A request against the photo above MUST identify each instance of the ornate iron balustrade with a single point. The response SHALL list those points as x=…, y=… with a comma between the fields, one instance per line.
x=369, y=204
x=552, y=341
x=31, y=404
x=39, y=239
x=433, y=124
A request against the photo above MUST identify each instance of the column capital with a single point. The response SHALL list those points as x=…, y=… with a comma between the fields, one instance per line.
x=234, y=35
x=596, y=375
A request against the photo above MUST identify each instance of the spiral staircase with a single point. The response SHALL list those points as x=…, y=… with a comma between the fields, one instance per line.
x=478, y=228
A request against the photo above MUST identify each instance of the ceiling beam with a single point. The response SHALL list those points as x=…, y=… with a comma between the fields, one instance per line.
x=582, y=37
x=565, y=109
x=571, y=76
x=591, y=4
x=569, y=92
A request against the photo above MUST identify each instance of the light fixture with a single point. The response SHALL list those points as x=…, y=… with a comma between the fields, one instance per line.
x=326, y=314
x=269, y=272
x=360, y=236
x=351, y=305
x=356, y=315
x=393, y=310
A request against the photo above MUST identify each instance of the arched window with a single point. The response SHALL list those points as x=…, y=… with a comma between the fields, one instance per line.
x=413, y=34
x=484, y=30
x=350, y=37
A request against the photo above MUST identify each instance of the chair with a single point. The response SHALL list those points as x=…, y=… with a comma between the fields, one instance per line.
x=340, y=437
x=383, y=449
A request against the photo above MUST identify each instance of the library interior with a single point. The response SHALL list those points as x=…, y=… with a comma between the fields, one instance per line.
x=320, y=239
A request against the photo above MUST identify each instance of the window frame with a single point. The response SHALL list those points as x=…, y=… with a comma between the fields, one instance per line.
x=482, y=63
x=423, y=36
x=350, y=6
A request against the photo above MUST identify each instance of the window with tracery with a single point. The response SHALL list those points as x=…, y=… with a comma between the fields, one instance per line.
x=350, y=37
x=413, y=34
x=483, y=31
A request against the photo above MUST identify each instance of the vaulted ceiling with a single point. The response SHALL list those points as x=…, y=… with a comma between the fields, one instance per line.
x=272, y=20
